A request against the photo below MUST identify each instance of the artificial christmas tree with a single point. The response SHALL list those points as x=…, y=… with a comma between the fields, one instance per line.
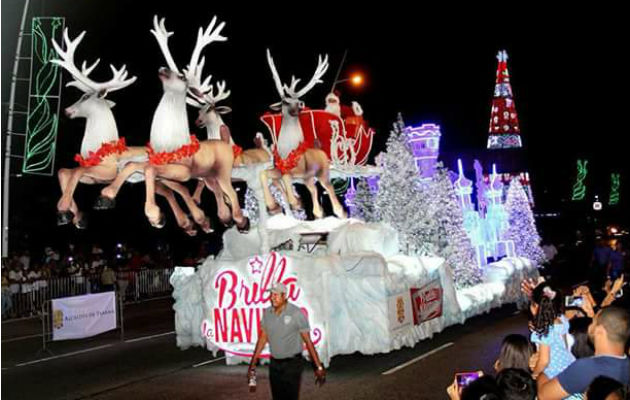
x=447, y=228
x=522, y=226
x=504, y=131
x=399, y=200
x=364, y=202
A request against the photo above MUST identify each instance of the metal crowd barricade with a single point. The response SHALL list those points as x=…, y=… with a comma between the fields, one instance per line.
x=47, y=322
x=132, y=286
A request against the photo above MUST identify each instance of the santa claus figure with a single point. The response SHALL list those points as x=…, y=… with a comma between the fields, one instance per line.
x=334, y=106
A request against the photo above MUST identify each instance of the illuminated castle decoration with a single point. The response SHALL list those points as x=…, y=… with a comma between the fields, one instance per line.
x=349, y=197
x=504, y=131
x=496, y=219
x=425, y=146
x=481, y=188
x=472, y=223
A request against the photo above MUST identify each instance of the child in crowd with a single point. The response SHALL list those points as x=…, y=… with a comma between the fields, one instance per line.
x=516, y=352
x=549, y=331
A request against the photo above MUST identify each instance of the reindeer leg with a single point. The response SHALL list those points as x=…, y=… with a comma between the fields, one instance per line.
x=272, y=207
x=176, y=172
x=294, y=202
x=198, y=215
x=224, y=178
x=223, y=211
x=198, y=192
x=182, y=220
x=151, y=209
x=71, y=179
x=109, y=192
x=324, y=178
x=312, y=188
x=72, y=214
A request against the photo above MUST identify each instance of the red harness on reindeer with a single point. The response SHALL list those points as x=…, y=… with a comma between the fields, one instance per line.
x=94, y=158
x=169, y=157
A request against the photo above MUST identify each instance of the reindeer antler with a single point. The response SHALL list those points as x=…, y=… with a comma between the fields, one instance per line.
x=162, y=35
x=204, y=38
x=221, y=94
x=81, y=77
x=322, y=67
x=274, y=73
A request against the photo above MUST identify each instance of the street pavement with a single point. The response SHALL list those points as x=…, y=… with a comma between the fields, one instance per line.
x=148, y=365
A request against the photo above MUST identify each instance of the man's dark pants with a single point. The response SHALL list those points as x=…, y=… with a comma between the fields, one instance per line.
x=285, y=375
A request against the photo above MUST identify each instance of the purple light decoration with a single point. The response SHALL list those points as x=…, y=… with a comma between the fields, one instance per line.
x=463, y=188
x=351, y=194
x=373, y=183
x=424, y=141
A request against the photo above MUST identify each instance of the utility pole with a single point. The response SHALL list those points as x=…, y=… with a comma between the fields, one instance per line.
x=7, y=146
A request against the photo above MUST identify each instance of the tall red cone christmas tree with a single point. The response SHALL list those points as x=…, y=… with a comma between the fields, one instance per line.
x=504, y=130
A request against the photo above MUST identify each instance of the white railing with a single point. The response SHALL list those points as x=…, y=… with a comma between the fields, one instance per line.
x=133, y=285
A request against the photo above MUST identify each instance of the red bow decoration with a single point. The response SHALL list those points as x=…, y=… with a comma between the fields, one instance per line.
x=285, y=165
x=169, y=157
x=106, y=149
x=237, y=150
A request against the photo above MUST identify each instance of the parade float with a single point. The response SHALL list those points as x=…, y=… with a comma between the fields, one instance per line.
x=403, y=266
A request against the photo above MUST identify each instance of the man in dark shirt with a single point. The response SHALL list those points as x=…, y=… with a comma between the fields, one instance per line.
x=285, y=328
x=609, y=333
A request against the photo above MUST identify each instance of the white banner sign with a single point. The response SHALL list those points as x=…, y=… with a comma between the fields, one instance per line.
x=83, y=316
x=400, y=312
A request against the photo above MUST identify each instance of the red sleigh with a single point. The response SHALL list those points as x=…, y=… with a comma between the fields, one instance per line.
x=317, y=128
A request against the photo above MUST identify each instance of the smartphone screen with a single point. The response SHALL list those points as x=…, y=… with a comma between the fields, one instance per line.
x=573, y=301
x=464, y=378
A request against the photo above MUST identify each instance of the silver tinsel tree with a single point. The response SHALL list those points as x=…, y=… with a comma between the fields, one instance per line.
x=251, y=205
x=364, y=203
x=400, y=199
x=450, y=238
x=522, y=226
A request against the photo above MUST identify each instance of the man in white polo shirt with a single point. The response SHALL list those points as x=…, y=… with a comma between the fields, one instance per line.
x=285, y=328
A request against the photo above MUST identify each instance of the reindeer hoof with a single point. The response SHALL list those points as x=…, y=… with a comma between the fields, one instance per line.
x=64, y=217
x=206, y=226
x=104, y=203
x=275, y=210
x=244, y=226
x=82, y=223
x=161, y=222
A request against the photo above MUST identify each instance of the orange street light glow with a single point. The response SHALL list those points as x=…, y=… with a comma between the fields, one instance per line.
x=357, y=79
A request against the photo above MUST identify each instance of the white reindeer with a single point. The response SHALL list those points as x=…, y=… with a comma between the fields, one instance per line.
x=101, y=145
x=100, y=132
x=291, y=158
x=209, y=117
x=175, y=155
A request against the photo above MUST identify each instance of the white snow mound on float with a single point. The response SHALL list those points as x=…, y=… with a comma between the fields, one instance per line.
x=347, y=285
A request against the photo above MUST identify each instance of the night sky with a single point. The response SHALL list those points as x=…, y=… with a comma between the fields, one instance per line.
x=567, y=72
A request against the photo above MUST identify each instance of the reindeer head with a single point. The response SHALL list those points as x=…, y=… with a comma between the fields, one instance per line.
x=93, y=99
x=206, y=101
x=172, y=79
x=290, y=103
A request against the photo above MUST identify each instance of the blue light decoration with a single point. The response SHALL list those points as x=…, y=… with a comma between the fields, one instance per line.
x=496, y=216
x=497, y=219
x=472, y=222
x=424, y=142
x=481, y=188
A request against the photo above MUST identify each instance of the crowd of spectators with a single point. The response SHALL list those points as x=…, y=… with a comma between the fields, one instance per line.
x=579, y=336
x=27, y=278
